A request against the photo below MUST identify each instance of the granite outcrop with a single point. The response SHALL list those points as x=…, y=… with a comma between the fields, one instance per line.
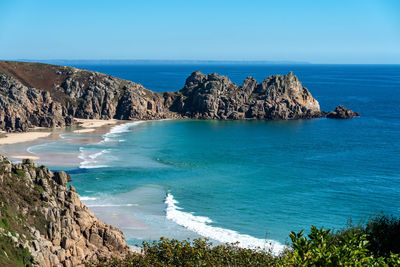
x=48, y=218
x=216, y=97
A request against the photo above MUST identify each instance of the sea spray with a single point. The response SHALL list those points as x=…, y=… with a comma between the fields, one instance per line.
x=200, y=225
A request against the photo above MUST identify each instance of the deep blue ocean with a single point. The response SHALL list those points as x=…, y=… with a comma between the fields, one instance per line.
x=246, y=181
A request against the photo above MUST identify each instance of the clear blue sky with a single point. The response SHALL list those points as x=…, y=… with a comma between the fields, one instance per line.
x=328, y=31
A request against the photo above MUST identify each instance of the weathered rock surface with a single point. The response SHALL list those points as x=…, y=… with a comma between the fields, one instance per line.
x=33, y=94
x=22, y=107
x=216, y=97
x=342, y=112
x=59, y=229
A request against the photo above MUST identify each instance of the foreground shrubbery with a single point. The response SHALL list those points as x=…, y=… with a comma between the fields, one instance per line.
x=375, y=244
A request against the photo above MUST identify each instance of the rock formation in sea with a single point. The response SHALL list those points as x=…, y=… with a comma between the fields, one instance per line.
x=342, y=112
x=216, y=97
x=34, y=94
x=40, y=213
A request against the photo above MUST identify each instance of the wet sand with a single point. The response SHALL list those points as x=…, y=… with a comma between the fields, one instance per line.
x=13, y=138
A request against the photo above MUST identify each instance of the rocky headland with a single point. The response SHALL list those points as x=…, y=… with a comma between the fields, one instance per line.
x=41, y=95
x=46, y=220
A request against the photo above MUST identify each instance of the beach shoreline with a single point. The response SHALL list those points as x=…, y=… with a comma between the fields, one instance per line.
x=14, y=138
x=90, y=125
x=15, y=145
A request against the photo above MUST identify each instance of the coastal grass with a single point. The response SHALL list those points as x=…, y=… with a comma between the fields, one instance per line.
x=374, y=244
x=10, y=255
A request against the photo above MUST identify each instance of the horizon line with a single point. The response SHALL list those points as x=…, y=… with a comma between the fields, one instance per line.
x=186, y=61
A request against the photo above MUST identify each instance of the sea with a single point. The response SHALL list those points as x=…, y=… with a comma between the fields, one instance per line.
x=251, y=182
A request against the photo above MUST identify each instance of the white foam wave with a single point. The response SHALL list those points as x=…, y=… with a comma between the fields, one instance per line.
x=34, y=147
x=114, y=205
x=116, y=130
x=64, y=136
x=122, y=128
x=89, y=160
x=200, y=225
x=87, y=198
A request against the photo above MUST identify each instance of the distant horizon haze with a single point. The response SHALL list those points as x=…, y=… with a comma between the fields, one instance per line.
x=180, y=61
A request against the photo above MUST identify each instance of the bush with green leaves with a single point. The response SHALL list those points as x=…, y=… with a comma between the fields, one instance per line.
x=200, y=252
x=322, y=248
x=371, y=245
x=383, y=234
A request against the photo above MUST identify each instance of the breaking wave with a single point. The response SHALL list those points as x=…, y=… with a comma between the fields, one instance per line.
x=200, y=225
x=122, y=128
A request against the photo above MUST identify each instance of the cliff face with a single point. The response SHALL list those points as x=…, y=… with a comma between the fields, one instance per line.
x=22, y=107
x=33, y=94
x=50, y=221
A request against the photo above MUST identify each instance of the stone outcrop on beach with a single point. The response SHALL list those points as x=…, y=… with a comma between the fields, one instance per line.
x=48, y=218
x=34, y=94
x=342, y=112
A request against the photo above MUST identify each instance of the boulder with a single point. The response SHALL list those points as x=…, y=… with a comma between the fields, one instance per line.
x=342, y=112
x=61, y=178
x=28, y=162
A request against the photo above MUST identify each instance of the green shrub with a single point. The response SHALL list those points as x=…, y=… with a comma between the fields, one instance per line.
x=321, y=248
x=200, y=252
x=20, y=173
x=348, y=247
x=4, y=224
x=383, y=235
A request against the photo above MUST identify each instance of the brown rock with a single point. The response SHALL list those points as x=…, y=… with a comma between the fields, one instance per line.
x=66, y=243
x=72, y=234
x=61, y=178
x=342, y=112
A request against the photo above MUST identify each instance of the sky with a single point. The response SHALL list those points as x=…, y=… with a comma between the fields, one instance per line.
x=329, y=31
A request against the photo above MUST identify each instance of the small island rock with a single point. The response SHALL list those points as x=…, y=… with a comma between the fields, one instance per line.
x=342, y=112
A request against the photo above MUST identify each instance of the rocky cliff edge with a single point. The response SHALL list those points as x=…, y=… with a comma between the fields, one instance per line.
x=41, y=214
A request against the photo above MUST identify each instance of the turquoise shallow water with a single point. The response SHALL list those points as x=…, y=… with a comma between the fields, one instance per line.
x=249, y=180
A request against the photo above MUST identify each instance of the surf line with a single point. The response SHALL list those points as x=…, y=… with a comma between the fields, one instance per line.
x=200, y=225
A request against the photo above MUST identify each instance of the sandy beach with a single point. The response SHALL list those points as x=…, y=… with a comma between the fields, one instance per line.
x=90, y=124
x=14, y=145
x=13, y=138
x=24, y=157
